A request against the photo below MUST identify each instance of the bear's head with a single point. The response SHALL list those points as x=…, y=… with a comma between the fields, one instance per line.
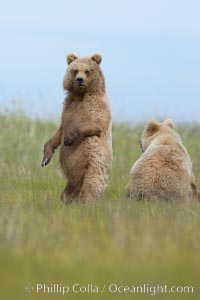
x=84, y=75
x=154, y=129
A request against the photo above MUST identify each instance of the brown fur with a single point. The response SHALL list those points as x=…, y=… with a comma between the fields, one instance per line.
x=164, y=170
x=85, y=131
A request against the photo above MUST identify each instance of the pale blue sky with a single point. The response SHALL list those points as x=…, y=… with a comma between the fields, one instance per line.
x=150, y=49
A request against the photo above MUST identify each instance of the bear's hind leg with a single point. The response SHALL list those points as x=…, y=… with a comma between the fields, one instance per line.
x=71, y=192
x=65, y=196
x=93, y=186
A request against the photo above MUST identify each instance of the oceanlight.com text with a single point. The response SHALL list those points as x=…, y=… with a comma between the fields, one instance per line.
x=110, y=288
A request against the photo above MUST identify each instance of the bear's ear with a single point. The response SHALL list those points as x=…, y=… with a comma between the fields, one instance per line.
x=152, y=126
x=169, y=123
x=97, y=58
x=70, y=58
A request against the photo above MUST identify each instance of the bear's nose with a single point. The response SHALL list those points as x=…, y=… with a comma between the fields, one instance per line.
x=141, y=146
x=79, y=80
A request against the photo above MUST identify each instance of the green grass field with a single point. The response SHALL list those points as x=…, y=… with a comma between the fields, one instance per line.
x=116, y=241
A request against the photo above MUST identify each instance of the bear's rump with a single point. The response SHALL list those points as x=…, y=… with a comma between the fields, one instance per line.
x=160, y=181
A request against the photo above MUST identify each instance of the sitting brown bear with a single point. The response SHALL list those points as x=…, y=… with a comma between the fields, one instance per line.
x=85, y=131
x=164, y=170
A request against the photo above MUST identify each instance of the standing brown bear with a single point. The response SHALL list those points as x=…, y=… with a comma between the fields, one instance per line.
x=85, y=132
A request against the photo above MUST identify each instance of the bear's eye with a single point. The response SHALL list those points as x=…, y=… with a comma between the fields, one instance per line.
x=87, y=72
x=75, y=71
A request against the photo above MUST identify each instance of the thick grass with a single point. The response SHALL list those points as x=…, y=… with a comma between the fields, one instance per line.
x=115, y=241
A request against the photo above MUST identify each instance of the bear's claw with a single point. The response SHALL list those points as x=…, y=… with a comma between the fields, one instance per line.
x=45, y=161
x=68, y=142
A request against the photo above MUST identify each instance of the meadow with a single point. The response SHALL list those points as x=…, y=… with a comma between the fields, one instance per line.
x=115, y=241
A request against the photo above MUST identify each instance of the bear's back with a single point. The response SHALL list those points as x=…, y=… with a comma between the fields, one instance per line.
x=163, y=172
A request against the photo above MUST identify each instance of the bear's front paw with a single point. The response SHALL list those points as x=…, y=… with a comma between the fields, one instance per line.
x=46, y=159
x=48, y=152
x=68, y=141
x=70, y=138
